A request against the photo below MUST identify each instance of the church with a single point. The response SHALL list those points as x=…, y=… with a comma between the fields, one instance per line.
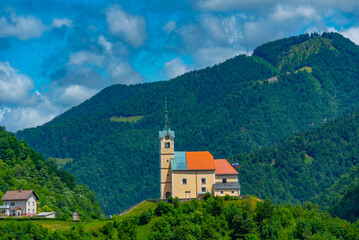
x=192, y=174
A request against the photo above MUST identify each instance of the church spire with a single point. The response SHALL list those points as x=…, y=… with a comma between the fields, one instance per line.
x=167, y=125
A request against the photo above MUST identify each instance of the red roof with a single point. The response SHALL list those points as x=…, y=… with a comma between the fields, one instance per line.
x=224, y=167
x=200, y=161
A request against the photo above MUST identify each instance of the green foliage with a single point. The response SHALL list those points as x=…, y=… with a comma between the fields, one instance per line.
x=20, y=166
x=145, y=217
x=319, y=166
x=244, y=219
x=227, y=109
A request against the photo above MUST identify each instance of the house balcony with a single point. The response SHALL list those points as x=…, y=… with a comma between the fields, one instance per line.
x=5, y=210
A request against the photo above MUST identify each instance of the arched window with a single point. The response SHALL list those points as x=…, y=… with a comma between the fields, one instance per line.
x=167, y=144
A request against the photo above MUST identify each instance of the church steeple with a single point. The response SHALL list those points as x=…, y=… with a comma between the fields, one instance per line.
x=166, y=137
x=166, y=127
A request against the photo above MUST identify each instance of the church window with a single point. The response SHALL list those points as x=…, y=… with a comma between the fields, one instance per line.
x=203, y=189
x=167, y=144
x=184, y=181
x=224, y=180
x=203, y=180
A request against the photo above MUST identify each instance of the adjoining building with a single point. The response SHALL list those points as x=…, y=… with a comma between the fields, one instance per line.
x=192, y=174
x=19, y=203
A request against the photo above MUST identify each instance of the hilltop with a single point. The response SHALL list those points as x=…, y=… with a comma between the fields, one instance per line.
x=212, y=218
x=287, y=86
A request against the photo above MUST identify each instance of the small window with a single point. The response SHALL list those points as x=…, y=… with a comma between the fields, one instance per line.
x=28, y=203
x=33, y=203
x=168, y=175
x=203, y=181
x=28, y=210
x=184, y=181
x=12, y=203
x=167, y=160
x=232, y=192
x=203, y=189
x=167, y=144
x=5, y=203
x=33, y=210
x=224, y=180
x=221, y=192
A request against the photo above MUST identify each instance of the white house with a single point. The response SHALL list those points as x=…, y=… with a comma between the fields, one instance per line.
x=19, y=203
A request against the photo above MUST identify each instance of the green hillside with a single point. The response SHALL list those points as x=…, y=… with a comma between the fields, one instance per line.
x=318, y=166
x=213, y=218
x=21, y=167
x=237, y=106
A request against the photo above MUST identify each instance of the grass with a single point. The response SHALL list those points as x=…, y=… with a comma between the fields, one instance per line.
x=308, y=159
x=307, y=69
x=131, y=119
x=62, y=161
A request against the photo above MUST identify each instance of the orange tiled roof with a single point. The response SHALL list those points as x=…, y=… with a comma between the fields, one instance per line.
x=200, y=161
x=224, y=167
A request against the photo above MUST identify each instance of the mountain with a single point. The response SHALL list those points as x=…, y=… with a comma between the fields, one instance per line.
x=247, y=102
x=21, y=167
x=318, y=166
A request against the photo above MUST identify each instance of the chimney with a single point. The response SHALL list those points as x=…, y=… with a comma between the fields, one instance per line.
x=20, y=190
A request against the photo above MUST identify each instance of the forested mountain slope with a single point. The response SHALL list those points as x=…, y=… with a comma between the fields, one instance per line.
x=287, y=86
x=21, y=167
x=319, y=166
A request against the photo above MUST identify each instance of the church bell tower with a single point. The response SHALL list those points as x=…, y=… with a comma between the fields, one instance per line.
x=166, y=137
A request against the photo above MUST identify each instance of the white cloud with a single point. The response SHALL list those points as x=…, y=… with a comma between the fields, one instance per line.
x=174, y=68
x=170, y=26
x=131, y=29
x=22, y=28
x=14, y=86
x=284, y=13
x=352, y=33
x=104, y=43
x=85, y=57
x=214, y=55
x=122, y=72
x=59, y=22
x=75, y=94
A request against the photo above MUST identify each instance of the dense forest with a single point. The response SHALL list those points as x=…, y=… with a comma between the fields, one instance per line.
x=318, y=165
x=212, y=218
x=246, y=103
x=21, y=167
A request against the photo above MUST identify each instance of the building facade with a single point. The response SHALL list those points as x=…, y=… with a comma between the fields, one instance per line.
x=192, y=174
x=19, y=203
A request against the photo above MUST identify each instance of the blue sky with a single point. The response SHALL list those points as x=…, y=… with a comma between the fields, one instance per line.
x=54, y=54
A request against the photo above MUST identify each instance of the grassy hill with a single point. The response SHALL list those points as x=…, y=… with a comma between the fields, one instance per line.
x=213, y=218
x=21, y=167
x=237, y=106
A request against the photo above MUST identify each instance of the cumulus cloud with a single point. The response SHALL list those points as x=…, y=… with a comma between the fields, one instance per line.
x=75, y=94
x=170, y=26
x=22, y=28
x=104, y=43
x=213, y=55
x=14, y=86
x=122, y=72
x=130, y=28
x=174, y=68
x=353, y=34
x=284, y=12
x=85, y=57
x=59, y=22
